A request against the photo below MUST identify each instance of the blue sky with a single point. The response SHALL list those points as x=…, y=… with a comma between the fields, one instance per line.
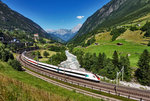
x=56, y=14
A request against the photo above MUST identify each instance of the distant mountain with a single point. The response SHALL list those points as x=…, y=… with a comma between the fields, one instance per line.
x=115, y=13
x=11, y=20
x=65, y=34
x=57, y=39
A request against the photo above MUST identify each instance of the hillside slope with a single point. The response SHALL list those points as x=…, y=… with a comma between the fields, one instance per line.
x=20, y=86
x=11, y=20
x=116, y=12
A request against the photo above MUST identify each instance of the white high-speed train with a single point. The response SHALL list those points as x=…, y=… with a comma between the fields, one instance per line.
x=66, y=71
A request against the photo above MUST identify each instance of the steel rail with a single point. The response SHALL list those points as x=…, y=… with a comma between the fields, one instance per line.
x=128, y=92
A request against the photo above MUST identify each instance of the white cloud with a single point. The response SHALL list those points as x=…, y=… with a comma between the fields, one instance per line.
x=80, y=17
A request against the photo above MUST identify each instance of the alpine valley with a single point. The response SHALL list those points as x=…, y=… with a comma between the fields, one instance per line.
x=64, y=34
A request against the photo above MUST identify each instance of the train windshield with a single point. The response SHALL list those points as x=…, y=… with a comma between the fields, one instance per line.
x=97, y=77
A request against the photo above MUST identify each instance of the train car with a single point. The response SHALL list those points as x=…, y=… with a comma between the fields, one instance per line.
x=66, y=71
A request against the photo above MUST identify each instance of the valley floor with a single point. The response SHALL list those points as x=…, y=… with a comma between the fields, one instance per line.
x=133, y=50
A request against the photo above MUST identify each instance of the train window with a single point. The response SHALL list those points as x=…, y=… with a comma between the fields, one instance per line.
x=93, y=76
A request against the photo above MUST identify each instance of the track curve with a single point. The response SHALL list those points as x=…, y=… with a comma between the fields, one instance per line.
x=128, y=92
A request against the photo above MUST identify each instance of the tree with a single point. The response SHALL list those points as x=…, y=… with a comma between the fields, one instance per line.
x=41, y=40
x=116, y=33
x=124, y=62
x=147, y=34
x=94, y=61
x=57, y=48
x=148, y=43
x=133, y=28
x=89, y=42
x=115, y=59
x=143, y=72
x=46, y=54
x=57, y=58
x=38, y=54
x=15, y=64
x=79, y=55
x=11, y=56
x=6, y=55
x=109, y=70
x=146, y=26
x=86, y=61
x=101, y=60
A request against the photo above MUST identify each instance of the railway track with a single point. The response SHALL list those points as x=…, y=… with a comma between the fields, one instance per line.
x=128, y=92
x=72, y=88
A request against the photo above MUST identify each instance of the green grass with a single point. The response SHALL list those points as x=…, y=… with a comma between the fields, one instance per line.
x=87, y=89
x=44, y=59
x=109, y=47
x=6, y=70
x=14, y=90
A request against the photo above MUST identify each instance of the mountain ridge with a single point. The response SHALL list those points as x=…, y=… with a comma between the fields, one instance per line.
x=10, y=20
x=114, y=13
x=65, y=34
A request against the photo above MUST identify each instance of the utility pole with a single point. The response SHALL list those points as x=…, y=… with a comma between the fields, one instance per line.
x=117, y=78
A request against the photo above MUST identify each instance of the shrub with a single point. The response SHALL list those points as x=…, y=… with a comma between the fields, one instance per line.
x=5, y=55
x=57, y=58
x=57, y=48
x=148, y=44
x=146, y=28
x=15, y=64
x=46, y=54
x=147, y=34
x=133, y=28
x=89, y=42
x=116, y=33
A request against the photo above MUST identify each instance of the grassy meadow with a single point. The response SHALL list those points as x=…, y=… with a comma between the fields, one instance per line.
x=20, y=86
x=44, y=59
x=132, y=45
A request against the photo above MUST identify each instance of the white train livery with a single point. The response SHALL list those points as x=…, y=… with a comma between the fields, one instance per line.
x=66, y=71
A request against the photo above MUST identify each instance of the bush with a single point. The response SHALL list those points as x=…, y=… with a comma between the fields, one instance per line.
x=148, y=44
x=57, y=59
x=46, y=54
x=116, y=33
x=33, y=53
x=57, y=48
x=146, y=28
x=15, y=64
x=89, y=42
x=147, y=34
x=41, y=40
x=5, y=55
x=133, y=28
